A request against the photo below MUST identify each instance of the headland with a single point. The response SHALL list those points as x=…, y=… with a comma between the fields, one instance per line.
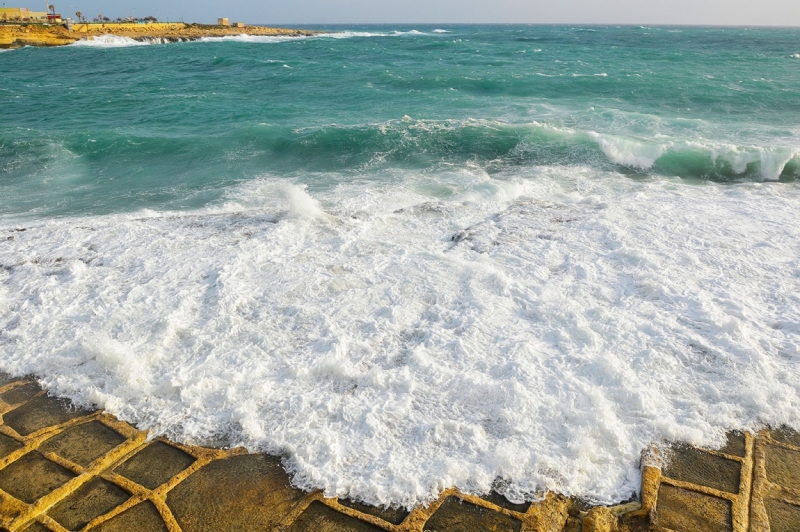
x=31, y=34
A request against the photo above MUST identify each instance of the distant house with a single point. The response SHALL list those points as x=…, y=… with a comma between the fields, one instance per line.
x=223, y=22
x=23, y=14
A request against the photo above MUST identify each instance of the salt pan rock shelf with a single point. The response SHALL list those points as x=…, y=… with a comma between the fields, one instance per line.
x=63, y=468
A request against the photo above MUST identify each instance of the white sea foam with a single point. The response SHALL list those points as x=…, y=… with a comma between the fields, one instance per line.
x=267, y=39
x=393, y=341
x=350, y=34
x=284, y=38
x=114, y=41
x=441, y=31
x=796, y=56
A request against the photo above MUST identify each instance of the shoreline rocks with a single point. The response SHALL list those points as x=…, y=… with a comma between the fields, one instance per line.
x=40, y=35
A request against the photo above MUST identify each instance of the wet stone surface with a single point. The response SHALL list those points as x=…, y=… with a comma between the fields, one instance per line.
x=500, y=500
x=783, y=517
x=683, y=510
x=6, y=379
x=20, y=394
x=83, y=443
x=155, y=464
x=8, y=445
x=735, y=445
x=249, y=492
x=32, y=477
x=41, y=412
x=787, y=436
x=37, y=527
x=143, y=517
x=391, y=515
x=320, y=518
x=693, y=465
x=455, y=515
x=91, y=500
x=238, y=492
x=783, y=466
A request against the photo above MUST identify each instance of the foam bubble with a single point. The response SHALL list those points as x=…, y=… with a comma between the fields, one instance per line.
x=266, y=39
x=114, y=41
x=396, y=340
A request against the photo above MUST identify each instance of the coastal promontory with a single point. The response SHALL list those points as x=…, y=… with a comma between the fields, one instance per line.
x=19, y=35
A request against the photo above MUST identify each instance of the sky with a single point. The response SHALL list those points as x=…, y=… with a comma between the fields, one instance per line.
x=298, y=12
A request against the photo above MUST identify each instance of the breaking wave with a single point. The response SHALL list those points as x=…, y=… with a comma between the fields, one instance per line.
x=116, y=41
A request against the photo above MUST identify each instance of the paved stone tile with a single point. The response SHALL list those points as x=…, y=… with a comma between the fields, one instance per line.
x=32, y=476
x=687, y=511
x=735, y=445
x=392, y=515
x=320, y=518
x=455, y=515
x=5, y=378
x=20, y=394
x=693, y=465
x=155, y=464
x=91, y=500
x=248, y=492
x=501, y=501
x=783, y=517
x=141, y=518
x=37, y=527
x=786, y=435
x=783, y=466
x=83, y=443
x=8, y=445
x=43, y=411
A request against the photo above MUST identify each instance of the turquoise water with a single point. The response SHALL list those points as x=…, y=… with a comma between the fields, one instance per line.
x=116, y=129
x=409, y=258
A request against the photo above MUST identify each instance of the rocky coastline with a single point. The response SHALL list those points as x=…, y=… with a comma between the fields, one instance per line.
x=42, y=35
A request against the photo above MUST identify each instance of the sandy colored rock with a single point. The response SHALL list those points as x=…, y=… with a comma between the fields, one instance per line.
x=143, y=518
x=783, y=467
x=390, y=515
x=8, y=445
x=455, y=515
x=684, y=510
x=155, y=464
x=91, y=500
x=20, y=394
x=698, y=467
x=599, y=519
x=17, y=36
x=83, y=443
x=783, y=517
x=250, y=492
x=32, y=477
x=41, y=412
x=320, y=518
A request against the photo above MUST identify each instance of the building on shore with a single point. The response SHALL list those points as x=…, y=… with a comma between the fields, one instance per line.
x=23, y=14
x=223, y=22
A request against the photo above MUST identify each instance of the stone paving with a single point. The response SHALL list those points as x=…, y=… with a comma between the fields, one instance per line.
x=63, y=468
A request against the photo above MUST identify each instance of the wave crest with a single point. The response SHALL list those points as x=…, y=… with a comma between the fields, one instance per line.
x=115, y=41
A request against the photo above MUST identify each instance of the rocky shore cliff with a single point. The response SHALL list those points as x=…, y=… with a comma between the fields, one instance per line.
x=17, y=36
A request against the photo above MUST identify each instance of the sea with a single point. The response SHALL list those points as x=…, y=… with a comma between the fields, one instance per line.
x=408, y=258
